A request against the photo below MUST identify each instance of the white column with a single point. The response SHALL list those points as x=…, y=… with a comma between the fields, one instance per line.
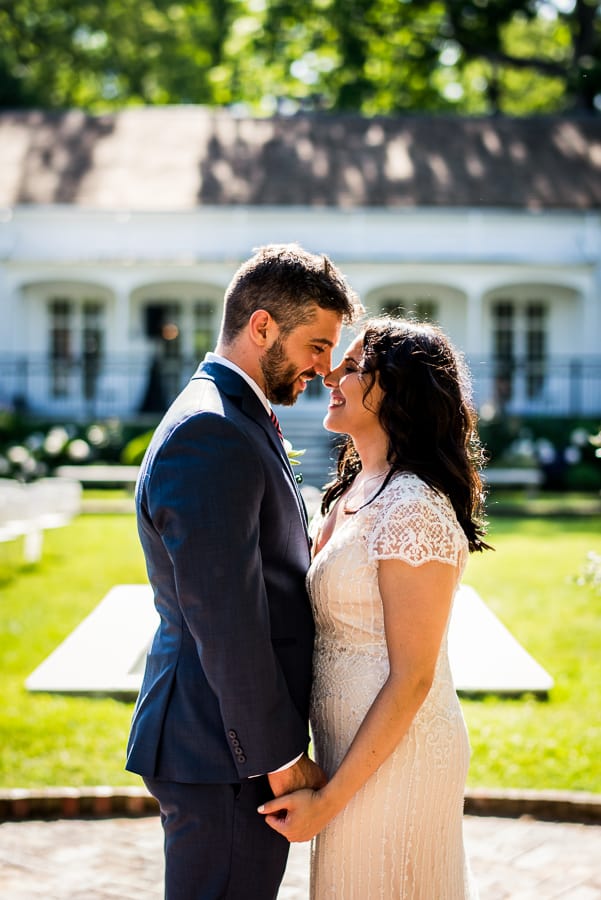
x=118, y=324
x=591, y=307
x=475, y=340
x=591, y=313
x=122, y=354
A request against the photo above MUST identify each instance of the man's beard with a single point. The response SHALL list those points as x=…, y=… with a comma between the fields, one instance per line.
x=279, y=375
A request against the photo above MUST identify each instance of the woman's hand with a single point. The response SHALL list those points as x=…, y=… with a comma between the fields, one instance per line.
x=298, y=816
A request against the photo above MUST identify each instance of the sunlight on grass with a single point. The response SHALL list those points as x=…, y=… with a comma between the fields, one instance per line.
x=529, y=582
x=50, y=739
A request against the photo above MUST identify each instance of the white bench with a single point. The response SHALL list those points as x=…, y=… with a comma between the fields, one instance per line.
x=101, y=474
x=513, y=476
x=27, y=510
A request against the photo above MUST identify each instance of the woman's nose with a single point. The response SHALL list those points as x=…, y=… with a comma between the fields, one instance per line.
x=331, y=379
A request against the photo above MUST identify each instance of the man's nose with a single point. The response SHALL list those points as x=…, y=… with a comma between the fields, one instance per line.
x=325, y=363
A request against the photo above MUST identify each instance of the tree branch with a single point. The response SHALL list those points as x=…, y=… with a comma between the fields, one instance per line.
x=547, y=66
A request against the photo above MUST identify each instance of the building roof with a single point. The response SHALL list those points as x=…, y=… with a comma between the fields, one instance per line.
x=182, y=157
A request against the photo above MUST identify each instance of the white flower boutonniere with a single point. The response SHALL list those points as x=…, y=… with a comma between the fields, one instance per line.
x=293, y=459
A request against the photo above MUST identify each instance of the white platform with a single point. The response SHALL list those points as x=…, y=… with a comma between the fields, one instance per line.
x=485, y=657
x=105, y=653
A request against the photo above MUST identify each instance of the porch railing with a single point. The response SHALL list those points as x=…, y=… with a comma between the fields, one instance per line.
x=132, y=385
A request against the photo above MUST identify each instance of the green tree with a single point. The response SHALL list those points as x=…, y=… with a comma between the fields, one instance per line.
x=474, y=56
x=60, y=53
x=374, y=56
x=557, y=47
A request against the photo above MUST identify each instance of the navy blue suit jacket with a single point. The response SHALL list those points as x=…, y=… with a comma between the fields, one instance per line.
x=225, y=692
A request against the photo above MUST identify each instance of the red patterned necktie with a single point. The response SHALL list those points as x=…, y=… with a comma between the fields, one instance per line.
x=276, y=425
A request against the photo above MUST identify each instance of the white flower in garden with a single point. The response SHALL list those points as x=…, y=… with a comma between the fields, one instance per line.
x=78, y=450
x=56, y=440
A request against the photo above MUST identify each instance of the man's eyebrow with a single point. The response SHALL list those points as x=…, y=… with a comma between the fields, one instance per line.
x=319, y=340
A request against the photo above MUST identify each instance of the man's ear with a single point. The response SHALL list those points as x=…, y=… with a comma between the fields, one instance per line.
x=262, y=328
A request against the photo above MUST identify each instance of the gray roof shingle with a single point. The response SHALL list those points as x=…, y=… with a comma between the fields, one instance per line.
x=177, y=158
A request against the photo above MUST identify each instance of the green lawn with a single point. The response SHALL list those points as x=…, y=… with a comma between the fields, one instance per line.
x=50, y=739
x=529, y=582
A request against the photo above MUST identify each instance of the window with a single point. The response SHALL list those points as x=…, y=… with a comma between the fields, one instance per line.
x=163, y=326
x=503, y=350
x=92, y=346
x=519, y=339
x=61, y=349
x=536, y=348
x=179, y=326
x=203, y=318
x=76, y=345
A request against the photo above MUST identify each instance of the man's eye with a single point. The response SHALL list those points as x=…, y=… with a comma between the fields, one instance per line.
x=317, y=349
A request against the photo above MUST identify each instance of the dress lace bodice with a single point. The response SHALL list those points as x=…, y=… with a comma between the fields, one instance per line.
x=413, y=522
x=408, y=521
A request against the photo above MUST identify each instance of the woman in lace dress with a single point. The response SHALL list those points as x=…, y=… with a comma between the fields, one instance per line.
x=390, y=547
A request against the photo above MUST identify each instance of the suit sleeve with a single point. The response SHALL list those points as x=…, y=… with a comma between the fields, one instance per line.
x=205, y=496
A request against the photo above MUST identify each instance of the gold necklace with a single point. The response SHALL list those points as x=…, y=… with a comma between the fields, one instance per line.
x=351, y=512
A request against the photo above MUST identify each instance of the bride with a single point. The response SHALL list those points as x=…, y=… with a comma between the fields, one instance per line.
x=391, y=545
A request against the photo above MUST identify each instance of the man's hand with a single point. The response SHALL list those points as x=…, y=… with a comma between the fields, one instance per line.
x=303, y=774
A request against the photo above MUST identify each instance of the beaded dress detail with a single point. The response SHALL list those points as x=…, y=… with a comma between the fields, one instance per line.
x=401, y=835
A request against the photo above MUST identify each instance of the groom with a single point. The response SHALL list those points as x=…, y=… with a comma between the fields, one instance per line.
x=221, y=720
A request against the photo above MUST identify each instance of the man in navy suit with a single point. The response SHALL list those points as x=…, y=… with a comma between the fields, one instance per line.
x=221, y=722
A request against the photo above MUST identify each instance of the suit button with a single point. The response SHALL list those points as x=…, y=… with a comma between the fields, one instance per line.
x=235, y=742
x=242, y=758
x=232, y=734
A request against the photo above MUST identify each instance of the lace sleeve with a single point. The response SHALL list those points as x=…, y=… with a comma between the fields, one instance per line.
x=416, y=524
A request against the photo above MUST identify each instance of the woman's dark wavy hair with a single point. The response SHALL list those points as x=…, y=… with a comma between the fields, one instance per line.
x=427, y=414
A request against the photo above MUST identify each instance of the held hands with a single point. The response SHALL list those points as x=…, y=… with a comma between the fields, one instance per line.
x=298, y=816
x=303, y=774
x=295, y=790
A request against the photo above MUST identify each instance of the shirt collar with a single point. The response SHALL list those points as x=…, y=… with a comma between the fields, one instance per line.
x=222, y=361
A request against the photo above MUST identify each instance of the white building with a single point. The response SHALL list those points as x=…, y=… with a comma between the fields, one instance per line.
x=119, y=233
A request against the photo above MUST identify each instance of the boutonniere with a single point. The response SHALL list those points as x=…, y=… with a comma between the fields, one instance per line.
x=293, y=459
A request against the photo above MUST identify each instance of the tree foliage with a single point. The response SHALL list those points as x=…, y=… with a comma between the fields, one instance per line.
x=374, y=56
x=61, y=53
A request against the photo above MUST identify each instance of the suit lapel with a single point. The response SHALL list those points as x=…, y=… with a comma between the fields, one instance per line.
x=245, y=398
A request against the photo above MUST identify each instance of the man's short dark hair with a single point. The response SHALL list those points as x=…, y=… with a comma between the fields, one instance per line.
x=288, y=282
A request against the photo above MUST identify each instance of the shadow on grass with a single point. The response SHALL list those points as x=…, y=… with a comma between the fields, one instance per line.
x=484, y=696
x=543, y=503
x=125, y=697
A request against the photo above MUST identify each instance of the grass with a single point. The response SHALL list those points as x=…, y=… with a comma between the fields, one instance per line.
x=503, y=501
x=50, y=739
x=529, y=582
x=519, y=743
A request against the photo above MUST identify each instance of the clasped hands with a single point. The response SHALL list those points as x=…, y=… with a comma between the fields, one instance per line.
x=298, y=811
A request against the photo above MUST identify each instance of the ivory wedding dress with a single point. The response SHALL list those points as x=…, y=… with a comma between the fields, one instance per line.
x=401, y=835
